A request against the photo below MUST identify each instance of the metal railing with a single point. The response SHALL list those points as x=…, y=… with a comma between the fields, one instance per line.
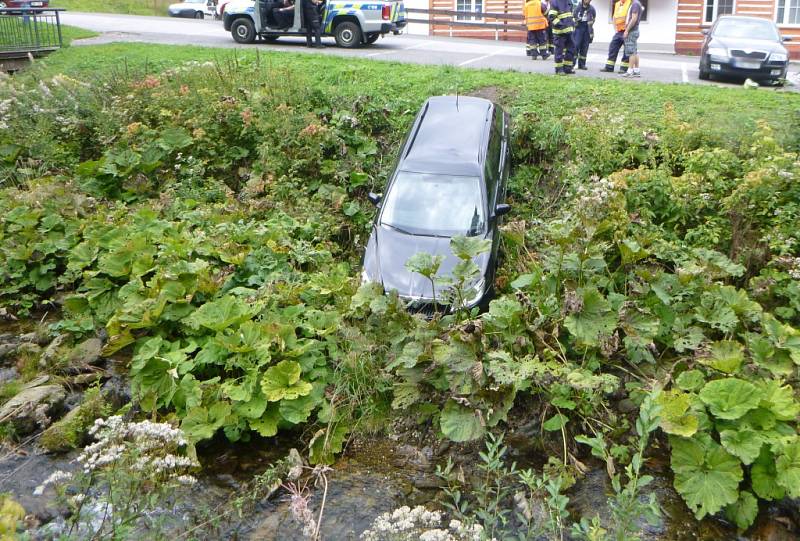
x=26, y=31
x=455, y=19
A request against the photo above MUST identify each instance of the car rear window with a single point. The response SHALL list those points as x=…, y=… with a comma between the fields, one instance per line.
x=434, y=205
x=750, y=29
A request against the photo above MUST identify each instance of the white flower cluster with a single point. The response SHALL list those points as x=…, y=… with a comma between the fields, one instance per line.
x=146, y=448
x=595, y=194
x=419, y=524
x=55, y=477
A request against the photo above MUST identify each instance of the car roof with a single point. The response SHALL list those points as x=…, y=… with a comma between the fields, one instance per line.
x=450, y=136
x=744, y=18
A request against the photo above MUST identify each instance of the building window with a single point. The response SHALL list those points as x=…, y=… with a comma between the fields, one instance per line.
x=788, y=12
x=611, y=11
x=715, y=8
x=475, y=6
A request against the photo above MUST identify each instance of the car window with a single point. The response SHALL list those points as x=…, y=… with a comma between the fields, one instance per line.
x=435, y=205
x=745, y=28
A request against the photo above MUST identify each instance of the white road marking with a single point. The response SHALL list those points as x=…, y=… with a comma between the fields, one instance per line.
x=478, y=59
x=684, y=73
x=393, y=51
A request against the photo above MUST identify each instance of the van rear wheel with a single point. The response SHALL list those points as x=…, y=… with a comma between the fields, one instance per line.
x=348, y=35
x=243, y=31
x=198, y=15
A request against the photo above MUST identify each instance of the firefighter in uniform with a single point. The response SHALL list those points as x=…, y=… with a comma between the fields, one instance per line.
x=312, y=23
x=534, y=13
x=560, y=16
x=584, y=16
x=621, y=9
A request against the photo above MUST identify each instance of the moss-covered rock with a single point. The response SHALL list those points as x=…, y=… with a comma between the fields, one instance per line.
x=70, y=432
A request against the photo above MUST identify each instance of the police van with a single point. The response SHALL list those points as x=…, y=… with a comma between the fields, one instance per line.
x=353, y=24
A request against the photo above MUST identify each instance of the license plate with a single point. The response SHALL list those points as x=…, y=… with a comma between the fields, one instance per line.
x=749, y=65
x=36, y=4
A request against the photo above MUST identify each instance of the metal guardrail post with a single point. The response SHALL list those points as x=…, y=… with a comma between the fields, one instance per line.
x=58, y=26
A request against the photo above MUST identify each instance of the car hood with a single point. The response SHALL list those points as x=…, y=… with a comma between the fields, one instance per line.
x=767, y=45
x=387, y=253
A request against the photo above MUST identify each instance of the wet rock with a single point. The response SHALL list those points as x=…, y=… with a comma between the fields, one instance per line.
x=32, y=407
x=71, y=431
x=86, y=353
x=52, y=352
x=22, y=469
x=772, y=530
x=8, y=374
x=40, y=339
x=7, y=349
x=117, y=391
x=408, y=456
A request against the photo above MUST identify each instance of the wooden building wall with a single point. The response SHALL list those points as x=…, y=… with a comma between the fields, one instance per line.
x=689, y=36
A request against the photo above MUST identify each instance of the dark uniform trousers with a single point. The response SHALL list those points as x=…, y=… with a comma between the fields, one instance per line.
x=617, y=43
x=312, y=23
x=581, y=38
x=564, y=60
x=537, y=43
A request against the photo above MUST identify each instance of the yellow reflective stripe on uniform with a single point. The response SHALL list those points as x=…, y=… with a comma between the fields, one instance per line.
x=563, y=16
x=563, y=30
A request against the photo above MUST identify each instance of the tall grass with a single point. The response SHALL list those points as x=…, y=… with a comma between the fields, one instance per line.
x=129, y=7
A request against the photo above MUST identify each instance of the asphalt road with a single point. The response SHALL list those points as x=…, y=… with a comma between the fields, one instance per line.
x=656, y=65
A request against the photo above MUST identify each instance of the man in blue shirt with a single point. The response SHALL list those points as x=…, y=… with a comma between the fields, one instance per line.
x=584, y=16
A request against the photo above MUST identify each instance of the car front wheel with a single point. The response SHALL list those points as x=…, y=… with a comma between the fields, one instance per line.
x=243, y=31
x=348, y=35
x=198, y=15
x=704, y=74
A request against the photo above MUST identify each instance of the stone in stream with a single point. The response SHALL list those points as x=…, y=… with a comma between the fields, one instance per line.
x=86, y=353
x=33, y=407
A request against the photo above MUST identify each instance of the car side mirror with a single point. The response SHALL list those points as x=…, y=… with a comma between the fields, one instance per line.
x=705, y=31
x=502, y=209
x=787, y=38
x=375, y=198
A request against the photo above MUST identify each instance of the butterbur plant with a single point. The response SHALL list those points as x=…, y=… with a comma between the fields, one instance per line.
x=131, y=470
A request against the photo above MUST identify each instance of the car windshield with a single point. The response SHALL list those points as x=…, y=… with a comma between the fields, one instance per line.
x=746, y=28
x=434, y=205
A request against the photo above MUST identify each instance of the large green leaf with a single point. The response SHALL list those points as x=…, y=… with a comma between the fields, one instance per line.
x=201, y=423
x=764, y=477
x=267, y=424
x=726, y=356
x=690, y=380
x=787, y=467
x=744, y=443
x=595, y=319
x=706, y=476
x=221, y=314
x=675, y=415
x=778, y=399
x=460, y=423
x=730, y=398
x=282, y=382
x=743, y=512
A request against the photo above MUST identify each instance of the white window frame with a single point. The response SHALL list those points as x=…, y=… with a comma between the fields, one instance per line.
x=784, y=24
x=716, y=11
x=478, y=14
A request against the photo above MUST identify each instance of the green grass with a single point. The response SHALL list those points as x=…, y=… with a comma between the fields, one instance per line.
x=130, y=7
x=723, y=110
x=70, y=33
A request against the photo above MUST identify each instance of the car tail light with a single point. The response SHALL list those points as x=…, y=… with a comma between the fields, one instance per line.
x=386, y=12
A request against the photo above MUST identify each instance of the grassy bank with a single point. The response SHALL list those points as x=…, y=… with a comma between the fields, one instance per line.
x=128, y=7
x=208, y=209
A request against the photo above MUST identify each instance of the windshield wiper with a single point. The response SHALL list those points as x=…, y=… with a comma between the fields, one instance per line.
x=400, y=229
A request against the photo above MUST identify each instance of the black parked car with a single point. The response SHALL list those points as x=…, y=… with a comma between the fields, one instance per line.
x=450, y=180
x=744, y=47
